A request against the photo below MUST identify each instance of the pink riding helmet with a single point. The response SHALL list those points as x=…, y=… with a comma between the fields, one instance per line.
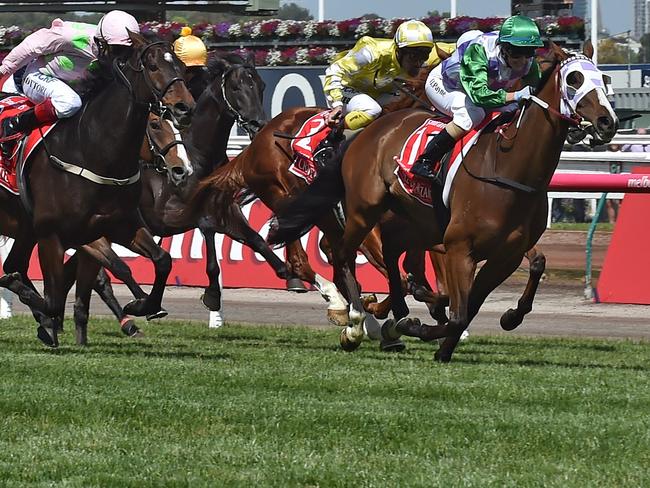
x=112, y=28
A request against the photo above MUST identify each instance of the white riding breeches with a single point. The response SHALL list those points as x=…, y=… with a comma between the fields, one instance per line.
x=465, y=114
x=354, y=100
x=38, y=87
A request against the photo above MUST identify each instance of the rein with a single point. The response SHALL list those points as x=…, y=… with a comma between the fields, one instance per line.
x=574, y=120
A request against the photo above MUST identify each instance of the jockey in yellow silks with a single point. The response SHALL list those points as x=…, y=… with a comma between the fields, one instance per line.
x=475, y=80
x=360, y=80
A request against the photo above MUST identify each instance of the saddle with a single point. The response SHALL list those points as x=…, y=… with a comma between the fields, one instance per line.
x=17, y=148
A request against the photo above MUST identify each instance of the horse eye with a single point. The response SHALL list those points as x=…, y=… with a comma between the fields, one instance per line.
x=575, y=79
x=155, y=125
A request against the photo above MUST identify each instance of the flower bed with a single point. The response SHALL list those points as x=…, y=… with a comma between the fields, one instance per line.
x=267, y=38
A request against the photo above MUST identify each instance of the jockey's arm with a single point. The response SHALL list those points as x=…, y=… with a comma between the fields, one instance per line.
x=474, y=78
x=344, y=69
x=533, y=76
x=41, y=42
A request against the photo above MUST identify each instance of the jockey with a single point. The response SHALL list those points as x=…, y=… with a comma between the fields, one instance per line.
x=55, y=60
x=191, y=50
x=359, y=80
x=473, y=82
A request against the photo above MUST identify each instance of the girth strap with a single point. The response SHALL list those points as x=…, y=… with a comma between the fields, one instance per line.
x=89, y=175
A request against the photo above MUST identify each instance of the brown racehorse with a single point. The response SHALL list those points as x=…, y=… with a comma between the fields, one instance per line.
x=263, y=168
x=67, y=209
x=498, y=200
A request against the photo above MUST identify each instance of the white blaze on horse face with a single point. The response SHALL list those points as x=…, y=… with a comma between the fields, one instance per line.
x=168, y=57
x=180, y=149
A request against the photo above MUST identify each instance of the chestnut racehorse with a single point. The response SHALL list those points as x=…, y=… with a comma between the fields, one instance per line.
x=498, y=201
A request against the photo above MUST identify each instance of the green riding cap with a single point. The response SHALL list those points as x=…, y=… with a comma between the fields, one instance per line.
x=520, y=31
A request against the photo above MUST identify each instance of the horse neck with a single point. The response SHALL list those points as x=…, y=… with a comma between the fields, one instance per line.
x=117, y=111
x=209, y=133
x=539, y=140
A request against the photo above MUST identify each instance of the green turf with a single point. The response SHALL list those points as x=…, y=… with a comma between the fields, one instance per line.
x=256, y=407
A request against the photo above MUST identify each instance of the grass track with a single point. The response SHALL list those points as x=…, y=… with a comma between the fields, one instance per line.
x=245, y=406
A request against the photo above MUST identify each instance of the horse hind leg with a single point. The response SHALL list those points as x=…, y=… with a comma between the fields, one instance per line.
x=86, y=274
x=103, y=288
x=512, y=318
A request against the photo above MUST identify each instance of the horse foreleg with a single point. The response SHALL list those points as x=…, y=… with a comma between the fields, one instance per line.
x=512, y=318
x=104, y=289
x=103, y=253
x=211, y=297
x=144, y=245
x=50, y=255
x=86, y=274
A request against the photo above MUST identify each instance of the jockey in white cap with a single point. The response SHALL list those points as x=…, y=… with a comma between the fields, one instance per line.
x=55, y=60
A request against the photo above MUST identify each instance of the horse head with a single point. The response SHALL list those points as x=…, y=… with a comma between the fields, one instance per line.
x=163, y=76
x=166, y=150
x=239, y=87
x=583, y=92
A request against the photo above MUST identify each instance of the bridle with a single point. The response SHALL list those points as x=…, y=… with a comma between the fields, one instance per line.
x=159, y=163
x=140, y=68
x=246, y=124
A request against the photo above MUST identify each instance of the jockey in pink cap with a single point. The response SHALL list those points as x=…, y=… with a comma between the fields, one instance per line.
x=48, y=65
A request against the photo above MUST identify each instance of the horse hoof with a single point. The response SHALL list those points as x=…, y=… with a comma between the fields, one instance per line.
x=160, y=314
x=296, y=285
x=442, y=358
x=211, y=301
x=510, y=320
x=216, y=320
x=346, y=344
x=368, y=299
x=340, y=318
x=129, y=329
x=47, y=336
x=389, y=332
x=137, y=308
x=395, y=345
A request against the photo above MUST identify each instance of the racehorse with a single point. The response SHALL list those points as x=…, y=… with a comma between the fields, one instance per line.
x=83, y=180
x=233, y=94
x=263, y=168
x=498, y=200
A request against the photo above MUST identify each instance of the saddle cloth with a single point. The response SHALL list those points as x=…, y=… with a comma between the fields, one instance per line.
x=418, y=187
x=307, y=139
x=17, y=148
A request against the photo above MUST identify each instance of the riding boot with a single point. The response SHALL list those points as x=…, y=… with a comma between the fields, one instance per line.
x=328, y=148
x=428, y=164
x=41, y=114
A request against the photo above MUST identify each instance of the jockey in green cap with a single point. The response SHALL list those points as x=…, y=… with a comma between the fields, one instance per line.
x=474, y=81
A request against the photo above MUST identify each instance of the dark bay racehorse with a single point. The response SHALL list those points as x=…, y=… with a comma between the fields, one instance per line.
x=233, y=94
x=73, y=207
x=498, y=200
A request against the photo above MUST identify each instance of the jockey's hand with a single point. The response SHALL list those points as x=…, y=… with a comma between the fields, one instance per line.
x=523, y=94
x=334, y=116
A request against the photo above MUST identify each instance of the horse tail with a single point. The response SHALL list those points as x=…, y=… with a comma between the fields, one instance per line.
x=299, y=214
x=215, y=192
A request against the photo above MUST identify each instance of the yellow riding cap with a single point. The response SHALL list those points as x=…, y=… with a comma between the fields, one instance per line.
x=413, y=33
x=190, y=49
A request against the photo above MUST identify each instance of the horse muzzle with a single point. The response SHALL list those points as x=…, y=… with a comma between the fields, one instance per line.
x=177, y=175
x=181, y=115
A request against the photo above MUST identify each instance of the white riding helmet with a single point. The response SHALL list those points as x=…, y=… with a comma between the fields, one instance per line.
x=112, y=28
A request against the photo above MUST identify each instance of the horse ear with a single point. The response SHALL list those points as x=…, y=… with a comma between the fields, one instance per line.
x=588, y=49
x=137, y=39
x=442, y=54
x=250, y=58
